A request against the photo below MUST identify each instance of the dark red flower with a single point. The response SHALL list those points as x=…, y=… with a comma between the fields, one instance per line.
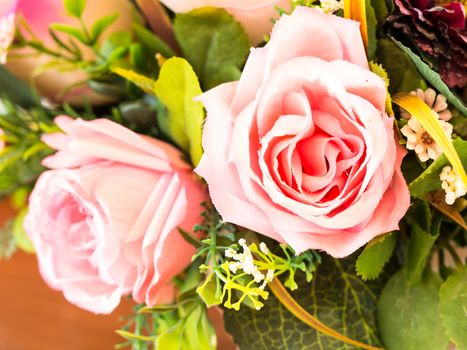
x=439, y=32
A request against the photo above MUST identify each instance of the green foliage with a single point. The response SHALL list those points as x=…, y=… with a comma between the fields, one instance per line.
x=372, y=24
x=74, y=8
x=19, y=233
x=336, y=296
x=429, y=180
x=176, y=88
x=408, y=314
x=101, y=25
x=453, y=305
x=153, y=43
x=214, y=43
x=182, y=326
x=20, y=160
x=420, y=245
x=402, y=72
x=71, y=31
x=433, y=78
x=15, y=90
x=371, y=261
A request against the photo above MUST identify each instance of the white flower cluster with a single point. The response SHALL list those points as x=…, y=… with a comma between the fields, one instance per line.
x=418, y=139
x=245, y=261
x=331, y=6
x=452, y=184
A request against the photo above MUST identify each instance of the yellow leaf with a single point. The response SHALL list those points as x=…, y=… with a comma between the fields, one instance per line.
x=355, y=9
x=144, y=83
x=428, y=120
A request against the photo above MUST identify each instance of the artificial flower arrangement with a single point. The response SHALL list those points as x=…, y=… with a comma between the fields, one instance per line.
x=298, y=166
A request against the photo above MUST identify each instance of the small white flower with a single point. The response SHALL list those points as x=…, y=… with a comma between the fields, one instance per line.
x=331, y=6
x=264, y=249
x=230, y=253
x=270, y=275
x=421, y=142
x=452, y=184
x=437, y=103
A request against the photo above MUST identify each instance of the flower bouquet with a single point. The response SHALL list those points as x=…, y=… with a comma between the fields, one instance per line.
x=287, y=173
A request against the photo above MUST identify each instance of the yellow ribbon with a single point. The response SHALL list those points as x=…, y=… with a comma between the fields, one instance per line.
x=355, y=9
x=428, y=120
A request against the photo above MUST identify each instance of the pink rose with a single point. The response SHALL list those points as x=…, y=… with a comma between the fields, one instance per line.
x=256, y=15
x=39, y=14
x=105, y=222
x=300, y=149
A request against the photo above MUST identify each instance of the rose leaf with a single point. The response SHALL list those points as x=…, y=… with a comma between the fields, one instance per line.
x=371, y=261
x=453, y=306
x=213, y=42
x=408, y=314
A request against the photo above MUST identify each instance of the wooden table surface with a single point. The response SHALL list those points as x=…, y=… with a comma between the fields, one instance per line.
x=33, y=317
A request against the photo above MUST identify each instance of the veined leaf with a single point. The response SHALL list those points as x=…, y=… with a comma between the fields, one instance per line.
x=355, y=9
x=427, y=119
x=420, y=245
x=336, y=297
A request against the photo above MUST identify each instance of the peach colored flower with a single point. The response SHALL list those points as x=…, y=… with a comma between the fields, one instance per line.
x=301, y=149
x=104, y=222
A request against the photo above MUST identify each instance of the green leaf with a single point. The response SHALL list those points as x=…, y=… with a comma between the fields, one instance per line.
x=176, y=88
x=212, y=40
x=193, y=332
x=376, y=254
x=453, y=306
x=102, y=24
x=429, y=180
x=381, y=10
x=208, y=291
x=420, y=245
x=408, y=315
x=74, y=8
x=433, y=78
x=16, y=90
x=402, y=73
x=19, y=233
x=143, y=82
x=336, y=296
x=151, y=42
x=115, y=41
x=70, y=30
x=371, y=24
